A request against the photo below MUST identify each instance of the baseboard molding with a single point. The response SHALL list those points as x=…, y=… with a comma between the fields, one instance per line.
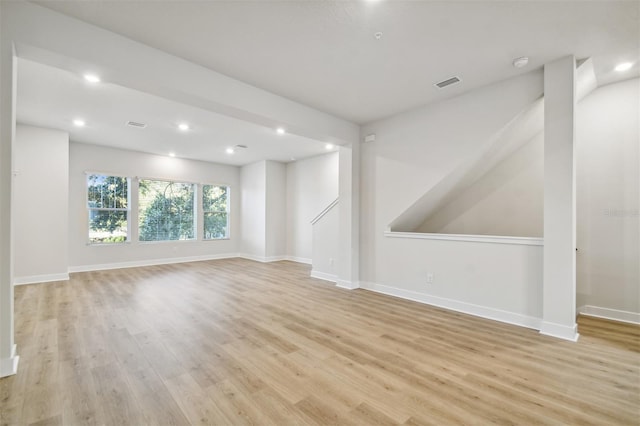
x=560, y=331
x=299, y=259
x=9, y=366
x=323, y=276
x=610, y=314
x=150, y=262
x=348, y=285
x=262, y=259
x=36, y=279
x=455, y=305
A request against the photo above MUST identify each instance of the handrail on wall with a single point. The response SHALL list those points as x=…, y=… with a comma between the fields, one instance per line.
x=325, y=211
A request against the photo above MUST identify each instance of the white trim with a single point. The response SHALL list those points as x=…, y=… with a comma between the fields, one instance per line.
x=262, y=259
x=529, y=241
x=323, y=276
x=299, y=259
x=150, y=262
x=9, y=366
x=46, y=278
x=325, y=211
x=456, y=305
x=561, y=331
x=348, y=285
x=610, y=314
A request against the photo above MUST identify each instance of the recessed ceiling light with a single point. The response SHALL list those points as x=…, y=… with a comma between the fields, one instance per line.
x=280, y=131
x=78, y=122
x=329, y=146
x=230, y=150
x=92, y=78
x=520, y=62
x=183, y=126
x=625, y=66
x=172, y=154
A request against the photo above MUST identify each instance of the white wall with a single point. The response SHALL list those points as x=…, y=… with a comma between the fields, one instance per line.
x=276, y=209
x=40, y=204
x=312, y=184
x=252, y=204
x=608, y=162
x=325, y=245
x=414, y=151
x=508, y=200
x=90, y=158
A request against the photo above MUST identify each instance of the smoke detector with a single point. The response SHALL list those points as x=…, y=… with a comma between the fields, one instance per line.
x=520, y=62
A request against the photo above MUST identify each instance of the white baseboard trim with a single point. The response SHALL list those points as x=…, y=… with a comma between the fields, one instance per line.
x=262, y=259
x=9, y=366
x=610, y=314
x=35, y=279
x=323, y=276
x=348, y=285
x=560, y=331
x=299, y=259
x=456, y=305
x=149, y=262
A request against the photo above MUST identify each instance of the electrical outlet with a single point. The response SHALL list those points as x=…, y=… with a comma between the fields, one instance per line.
x=430, y=278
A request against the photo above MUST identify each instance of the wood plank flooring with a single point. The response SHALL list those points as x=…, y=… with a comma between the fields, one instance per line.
x=235, y=342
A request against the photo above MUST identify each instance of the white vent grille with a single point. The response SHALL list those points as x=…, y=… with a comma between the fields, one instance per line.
x=447, y=82
x=136, y=124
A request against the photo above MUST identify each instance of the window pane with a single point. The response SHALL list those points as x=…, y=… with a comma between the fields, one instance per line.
x=108, y=192
x=166, y=211
x=215, y=226
x=107, y=226
x=214, y=198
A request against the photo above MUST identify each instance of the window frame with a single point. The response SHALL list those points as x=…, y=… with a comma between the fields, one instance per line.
x=89, y=209
x=196, y=209
x=227, y=211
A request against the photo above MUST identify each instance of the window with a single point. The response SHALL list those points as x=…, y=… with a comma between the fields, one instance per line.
x=108, y=206
x=215, y=205
x=166, y=211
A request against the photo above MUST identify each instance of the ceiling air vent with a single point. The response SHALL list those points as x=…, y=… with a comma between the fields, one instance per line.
x=136, y=124
x=447, y=82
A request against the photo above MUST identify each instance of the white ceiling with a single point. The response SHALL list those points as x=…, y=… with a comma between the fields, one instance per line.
x=51, y=97
x=324, y=53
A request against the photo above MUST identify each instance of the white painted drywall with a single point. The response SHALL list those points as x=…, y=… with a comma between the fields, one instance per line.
x=276, y=209
x=608, y=185
x=90, y=158
x=414, y=151
x=40, y=204
x=325, y=245
x=253, y=214
x=559, y=277
x=508, y=200
x=312, y=184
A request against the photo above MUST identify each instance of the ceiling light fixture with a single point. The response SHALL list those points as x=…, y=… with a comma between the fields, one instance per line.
x=92, y=78
x=520, y=62
x=78, y=122
x=183, y=126
x=230, y=150
x=378, y=35
x=172, y=154
x=280, y=131
x=329, y=146
x=625, y=66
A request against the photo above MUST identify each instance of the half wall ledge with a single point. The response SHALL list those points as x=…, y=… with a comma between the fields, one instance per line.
x=497, y=239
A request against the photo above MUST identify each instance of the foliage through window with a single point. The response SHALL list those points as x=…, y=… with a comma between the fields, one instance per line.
x=166, y=211
x=215, y=205
x=108, y=205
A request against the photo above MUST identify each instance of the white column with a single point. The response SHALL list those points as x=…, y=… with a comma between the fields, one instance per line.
x=8, y=357
x=559, y=287
x=348, y=261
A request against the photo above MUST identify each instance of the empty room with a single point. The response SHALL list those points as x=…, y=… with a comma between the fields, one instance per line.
x=316, y=212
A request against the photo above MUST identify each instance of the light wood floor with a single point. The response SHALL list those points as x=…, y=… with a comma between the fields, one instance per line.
x=239, y=342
